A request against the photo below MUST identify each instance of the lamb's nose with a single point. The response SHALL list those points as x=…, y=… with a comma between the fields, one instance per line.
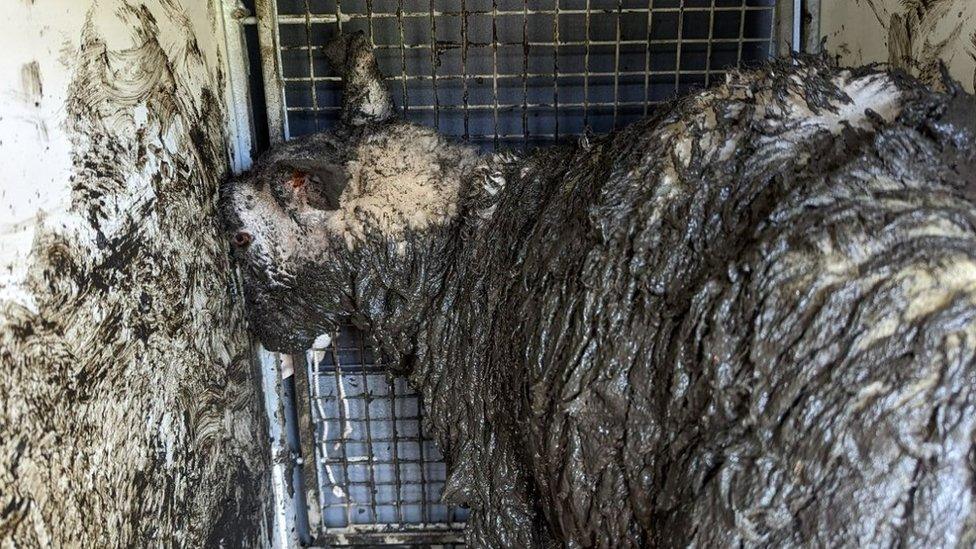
x=242, y=239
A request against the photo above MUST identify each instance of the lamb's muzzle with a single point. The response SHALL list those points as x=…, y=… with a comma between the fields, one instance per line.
x=746, y=320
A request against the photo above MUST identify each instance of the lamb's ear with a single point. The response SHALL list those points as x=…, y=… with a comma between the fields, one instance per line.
x=364, y=98
x=323, y=181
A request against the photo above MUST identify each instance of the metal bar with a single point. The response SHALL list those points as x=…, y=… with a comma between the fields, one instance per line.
x=592, y=43
x=677, y=57
x=340, y=18
x=586, y=66
x=403, y=57
x=294, y=440
x=370, y=31
x=508, y=107
x=345, y=18
x=313, y=361
x=424, y=506
x=555, y=71
x=647, y=56
x=285, y=534
x=274, y=89
x=237, y=96
x=512, y=106
x=616, y=65
x=525, y=72
x=742, y=32
x=785, y=27
x=311, y=65
x=422, y=535
x=306, y=426
x=494, y=66
x=810, y=28
x=369, y=431
x=344, y=426
x=421, y=77
x=398, y=500
x=711, y=36
x=797, y=23
x=433, y=64
x=464, y=64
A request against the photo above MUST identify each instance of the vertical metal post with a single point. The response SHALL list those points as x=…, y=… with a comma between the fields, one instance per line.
x=240, y=125
x=306, y=429
x=647, y=55
x=464, y=66
x=810, y=26
x=711, y=37
x=403, y=58
x=586, y=67
x=274, y=89
x=525, y=73
x=433, y=64
x=797, y=22
x=786, y=28
x=494, y=71
x=555, y=70
x=293, y=441
x=311, y=63
x=285, y=530
x=678, y=48
x=616, y=63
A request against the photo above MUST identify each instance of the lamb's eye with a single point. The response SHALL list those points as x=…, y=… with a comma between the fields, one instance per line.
x=242, y=239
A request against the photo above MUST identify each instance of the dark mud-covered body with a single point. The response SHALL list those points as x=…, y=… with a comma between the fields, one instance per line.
x=746, y=320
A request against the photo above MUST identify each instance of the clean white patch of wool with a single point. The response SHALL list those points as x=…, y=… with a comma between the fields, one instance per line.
x=406, y=178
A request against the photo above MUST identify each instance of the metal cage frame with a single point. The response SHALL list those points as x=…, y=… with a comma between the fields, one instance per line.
x=784, y=36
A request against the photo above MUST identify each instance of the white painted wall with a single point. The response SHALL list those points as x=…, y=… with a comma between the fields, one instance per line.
x=864, y=31
x=35, y=161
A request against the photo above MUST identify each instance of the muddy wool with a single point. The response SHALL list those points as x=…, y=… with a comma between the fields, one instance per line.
x=748, y=319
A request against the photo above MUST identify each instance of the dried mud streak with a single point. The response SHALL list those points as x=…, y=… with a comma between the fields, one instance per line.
x=921, y=36
x=747, y=320
x=127, y=401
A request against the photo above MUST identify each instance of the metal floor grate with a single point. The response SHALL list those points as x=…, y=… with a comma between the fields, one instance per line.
x=516, y=72
x=374, y=464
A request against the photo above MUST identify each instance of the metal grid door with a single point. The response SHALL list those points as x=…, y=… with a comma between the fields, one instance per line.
x=510, y=72
x=379, y=474
x=516, y=73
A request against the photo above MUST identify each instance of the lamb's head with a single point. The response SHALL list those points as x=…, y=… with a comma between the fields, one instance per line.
x=342, y=223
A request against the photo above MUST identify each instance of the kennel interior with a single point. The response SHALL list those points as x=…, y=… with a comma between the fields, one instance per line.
x=498, y=73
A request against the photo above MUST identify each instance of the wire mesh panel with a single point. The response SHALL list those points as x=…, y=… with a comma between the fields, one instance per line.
x=375, y=466
x=520, y=72
x=497, y=73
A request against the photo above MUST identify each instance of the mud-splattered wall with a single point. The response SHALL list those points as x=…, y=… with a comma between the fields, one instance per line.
x=129, y=413
x=911, y=34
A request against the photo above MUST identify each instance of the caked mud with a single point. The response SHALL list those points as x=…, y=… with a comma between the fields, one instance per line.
x=748, y=319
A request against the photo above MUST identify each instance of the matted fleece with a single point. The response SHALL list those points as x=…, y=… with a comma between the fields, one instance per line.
x=747, y=320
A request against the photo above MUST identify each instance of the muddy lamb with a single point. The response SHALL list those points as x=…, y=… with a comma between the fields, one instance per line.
x=749, y=319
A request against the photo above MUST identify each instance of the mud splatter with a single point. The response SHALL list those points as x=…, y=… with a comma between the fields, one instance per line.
x=32, y=91
x=921, y=35
x=128, y=400
x=30, y=81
